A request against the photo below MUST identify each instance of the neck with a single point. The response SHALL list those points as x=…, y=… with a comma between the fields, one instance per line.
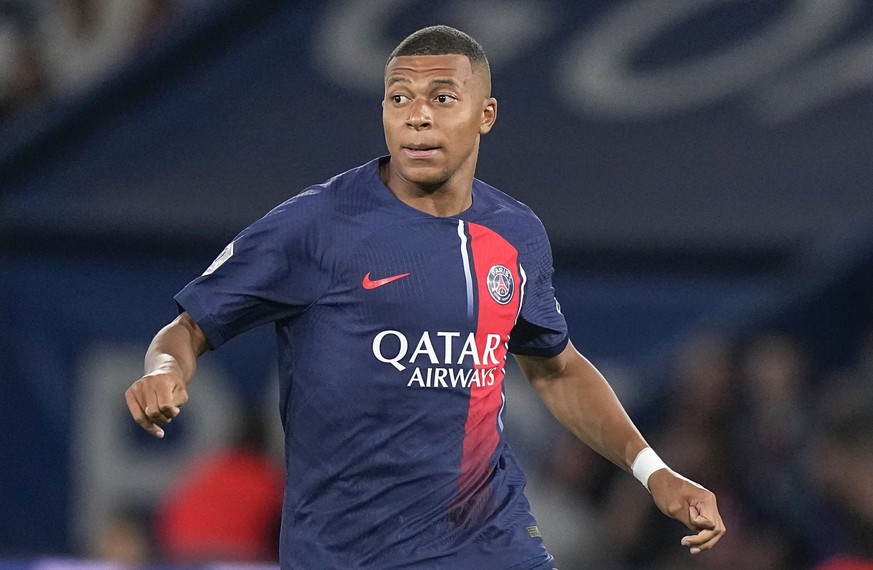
x=444, y=200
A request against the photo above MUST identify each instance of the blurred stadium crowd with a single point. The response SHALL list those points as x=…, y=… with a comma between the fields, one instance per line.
x=786, y=445
x=782, y=434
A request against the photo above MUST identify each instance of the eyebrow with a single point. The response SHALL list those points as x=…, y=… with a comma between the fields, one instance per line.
x=451, y=82
x=399, y=79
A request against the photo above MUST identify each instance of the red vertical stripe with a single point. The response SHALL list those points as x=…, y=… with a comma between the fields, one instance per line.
x=488, y=249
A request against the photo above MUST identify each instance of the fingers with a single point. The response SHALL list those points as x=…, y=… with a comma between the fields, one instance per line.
x=155, y=399
x=711, y=533
x=698, y=520
x=139, y=415
x=159, y=405
x=691, y=504
x=703, y=540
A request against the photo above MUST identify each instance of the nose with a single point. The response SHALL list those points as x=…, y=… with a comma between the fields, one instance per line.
x=419, y=115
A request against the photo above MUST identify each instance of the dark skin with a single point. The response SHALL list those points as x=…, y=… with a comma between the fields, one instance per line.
x=435, y=110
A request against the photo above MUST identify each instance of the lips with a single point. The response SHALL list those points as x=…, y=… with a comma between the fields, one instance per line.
x=420, y=150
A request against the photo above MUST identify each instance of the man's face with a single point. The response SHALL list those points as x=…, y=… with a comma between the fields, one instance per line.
x=434, y=111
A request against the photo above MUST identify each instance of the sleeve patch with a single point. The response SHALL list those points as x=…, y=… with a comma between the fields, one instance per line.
x=225, y=254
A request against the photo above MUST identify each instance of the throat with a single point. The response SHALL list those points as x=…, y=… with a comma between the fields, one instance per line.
x=443, y=200
x=439, y=205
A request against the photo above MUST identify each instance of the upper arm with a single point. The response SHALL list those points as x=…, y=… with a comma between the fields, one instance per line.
x=581, y=399
x=272, y=270
x=540, y=369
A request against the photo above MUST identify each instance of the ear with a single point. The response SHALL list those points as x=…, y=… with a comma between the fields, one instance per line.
x=489, y=115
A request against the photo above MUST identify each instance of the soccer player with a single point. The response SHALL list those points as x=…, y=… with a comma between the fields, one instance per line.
x=397, y=289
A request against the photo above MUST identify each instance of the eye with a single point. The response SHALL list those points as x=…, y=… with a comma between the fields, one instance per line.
x=398, y=99
x=445, y=98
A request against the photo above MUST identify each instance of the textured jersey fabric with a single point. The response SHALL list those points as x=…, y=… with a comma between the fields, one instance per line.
x=393, y=328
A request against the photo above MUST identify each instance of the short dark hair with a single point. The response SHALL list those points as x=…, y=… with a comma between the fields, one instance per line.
x=442, y=40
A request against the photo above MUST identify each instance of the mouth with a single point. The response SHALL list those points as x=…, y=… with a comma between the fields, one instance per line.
x=419, y=150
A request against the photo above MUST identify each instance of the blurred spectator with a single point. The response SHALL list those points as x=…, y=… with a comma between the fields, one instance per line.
x=23, y=77
x=864, y=366
x=841, y=465
x=227, y=505
x=769, y=437
x=703, y=393
x=565, y=490
x=693, y=439
x=126, y=539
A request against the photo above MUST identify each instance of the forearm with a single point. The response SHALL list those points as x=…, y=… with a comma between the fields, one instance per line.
x=175, y=349
x=170, y=362
x=583, y=401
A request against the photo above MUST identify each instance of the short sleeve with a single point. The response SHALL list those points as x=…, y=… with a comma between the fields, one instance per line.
x=272, y=270
x=541, y=329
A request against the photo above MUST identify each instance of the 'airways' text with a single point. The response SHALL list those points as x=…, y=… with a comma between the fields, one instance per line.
x=429, y=377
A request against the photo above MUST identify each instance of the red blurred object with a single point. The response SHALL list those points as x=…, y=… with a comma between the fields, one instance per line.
x=227, y=507
x=844, y=563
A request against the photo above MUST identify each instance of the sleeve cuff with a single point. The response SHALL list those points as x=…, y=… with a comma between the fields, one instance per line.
x=188, y=302
x=546, y=352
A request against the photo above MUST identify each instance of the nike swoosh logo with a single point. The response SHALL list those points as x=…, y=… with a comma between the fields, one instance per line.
x=371, y=284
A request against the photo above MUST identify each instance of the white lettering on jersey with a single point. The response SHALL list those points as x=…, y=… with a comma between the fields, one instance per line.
x=451, y=378
x=482, y=363
x=425, y=347
x=470, y=350
x=447, y=351
x=401, y=352
x=491, y=344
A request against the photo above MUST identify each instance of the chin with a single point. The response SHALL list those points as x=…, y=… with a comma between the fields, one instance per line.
x=424, y=176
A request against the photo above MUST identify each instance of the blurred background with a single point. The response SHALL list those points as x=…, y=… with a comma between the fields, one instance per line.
x=705, y=171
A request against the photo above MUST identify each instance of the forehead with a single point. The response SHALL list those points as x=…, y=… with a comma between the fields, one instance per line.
x=412, y=67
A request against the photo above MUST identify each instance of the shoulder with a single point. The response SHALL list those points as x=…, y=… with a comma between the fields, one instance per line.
x=502, y=204
x=320, y=202
x=512, y=216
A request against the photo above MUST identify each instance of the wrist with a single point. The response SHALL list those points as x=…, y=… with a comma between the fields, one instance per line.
x=644, y=464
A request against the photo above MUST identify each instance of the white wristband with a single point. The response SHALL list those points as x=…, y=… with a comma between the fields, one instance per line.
x=646, y=463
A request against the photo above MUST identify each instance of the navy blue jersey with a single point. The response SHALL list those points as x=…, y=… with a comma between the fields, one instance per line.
x=393, y=329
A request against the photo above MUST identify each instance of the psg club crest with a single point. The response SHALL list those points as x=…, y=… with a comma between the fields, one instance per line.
x=500, y=284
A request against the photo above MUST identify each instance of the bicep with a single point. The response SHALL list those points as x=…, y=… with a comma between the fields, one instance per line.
x=581, y=399
x=273, y=270
x=539, y=370
x=567, y=375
